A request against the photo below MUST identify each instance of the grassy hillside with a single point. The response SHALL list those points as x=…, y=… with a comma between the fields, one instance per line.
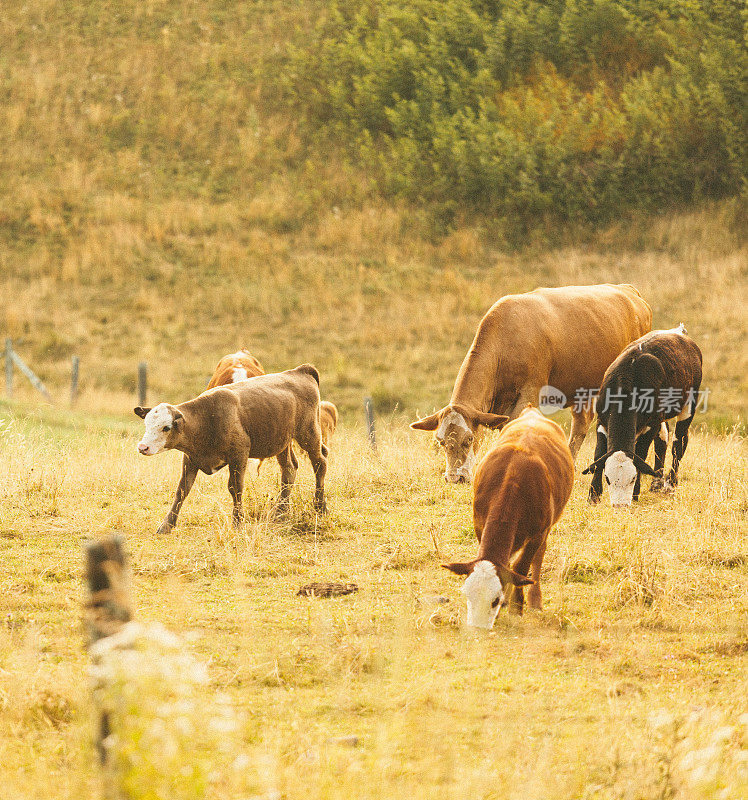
x=630, y=682
x=156, y=205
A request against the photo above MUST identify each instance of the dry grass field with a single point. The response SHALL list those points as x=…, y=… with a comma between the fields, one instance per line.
x=154, y=206
x=629, y=684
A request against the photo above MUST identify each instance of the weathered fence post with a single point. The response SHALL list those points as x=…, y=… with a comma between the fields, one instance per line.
x=13, y=359
x=74, y=380
x=369, y=411
x=142, y=383
x=9, y=367
x=109, y=603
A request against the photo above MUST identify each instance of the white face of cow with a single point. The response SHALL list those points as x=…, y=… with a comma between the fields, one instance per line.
x=457, y=437
x=620, y=473
x=484, y=594
x=158, y=424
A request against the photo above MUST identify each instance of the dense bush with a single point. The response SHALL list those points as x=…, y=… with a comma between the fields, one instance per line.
x=568, y=108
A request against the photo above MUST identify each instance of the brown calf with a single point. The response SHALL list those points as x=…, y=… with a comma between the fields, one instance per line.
x=521, y=488
x=225, y=426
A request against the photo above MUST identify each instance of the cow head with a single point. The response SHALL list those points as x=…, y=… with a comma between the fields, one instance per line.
x=484, y=589
x=455, y=427
x=620, y=470
x=163, y=425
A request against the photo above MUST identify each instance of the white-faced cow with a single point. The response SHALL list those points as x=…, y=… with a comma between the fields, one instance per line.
x=565, y=338
x=521, y=487
x=656, y=378
x=235, y=367
x=225, y=426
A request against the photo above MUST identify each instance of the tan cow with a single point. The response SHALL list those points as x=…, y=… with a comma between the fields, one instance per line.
x=235, y=367
x=521, y=488
x=225, y=426
x=328, y=418
x=563, y=338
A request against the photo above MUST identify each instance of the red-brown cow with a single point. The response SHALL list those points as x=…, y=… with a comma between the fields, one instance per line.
x=521, y=488
x=235, y=367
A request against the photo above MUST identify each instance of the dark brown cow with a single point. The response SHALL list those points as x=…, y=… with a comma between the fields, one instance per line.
x=521, y=488
x=235, y=367
x=225, y=426
x=656, y=378
x=564, y=338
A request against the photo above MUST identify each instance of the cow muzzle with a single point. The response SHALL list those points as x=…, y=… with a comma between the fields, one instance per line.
x=458, y=477
x=143, y=449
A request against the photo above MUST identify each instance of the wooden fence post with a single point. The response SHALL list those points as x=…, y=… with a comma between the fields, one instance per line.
x=109, y=603
x=369, y=411
x=9, y=367
x=142, y=383
x=74, y=380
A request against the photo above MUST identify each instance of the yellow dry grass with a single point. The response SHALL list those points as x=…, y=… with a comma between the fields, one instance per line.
x=383, y=692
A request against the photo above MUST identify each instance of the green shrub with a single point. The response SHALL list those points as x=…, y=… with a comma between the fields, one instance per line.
x=572, y=109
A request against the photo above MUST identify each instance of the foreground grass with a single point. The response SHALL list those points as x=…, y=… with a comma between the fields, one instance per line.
x=384, y=693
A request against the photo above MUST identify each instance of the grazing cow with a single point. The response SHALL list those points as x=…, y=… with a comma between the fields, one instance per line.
x=328, y=419
x=565, y=338
x=521, y=488
x=654, y=379
x=235, y=367
x=254, y=418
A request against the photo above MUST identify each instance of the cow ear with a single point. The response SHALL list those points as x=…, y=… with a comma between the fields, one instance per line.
x=430, y=423
x=177, y=417
x=141, y=412
x=460, y=567
x=510, y=576
x=494, y=421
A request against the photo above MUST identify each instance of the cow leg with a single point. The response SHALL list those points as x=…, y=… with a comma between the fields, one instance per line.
x=319, y=464
x=236, y=489
x=580, y=422
x=534, y=595
x=660, y=448
x=679, y=448
x=189, y=473
x=527, y=395
x=642, y=449
x=317, y=452
x=288, y=465
x=596, y=486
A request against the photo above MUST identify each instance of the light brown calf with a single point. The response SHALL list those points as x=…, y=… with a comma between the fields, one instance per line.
x=225, y=426
x=521, y=488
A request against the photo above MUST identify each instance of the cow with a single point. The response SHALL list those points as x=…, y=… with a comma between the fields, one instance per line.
x=563, y=338
x=655, y=379
x=254, y=418
x=521, y=488
x=328, y=418
x=235, y=367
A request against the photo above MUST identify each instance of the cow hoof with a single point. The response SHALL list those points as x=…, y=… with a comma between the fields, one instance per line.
x=321, y=509
x=593, y=499
x=657, y=485
x=163, y=528
x=279, y=513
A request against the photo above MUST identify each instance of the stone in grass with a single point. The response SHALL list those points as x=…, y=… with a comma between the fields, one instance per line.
x=326, y=589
